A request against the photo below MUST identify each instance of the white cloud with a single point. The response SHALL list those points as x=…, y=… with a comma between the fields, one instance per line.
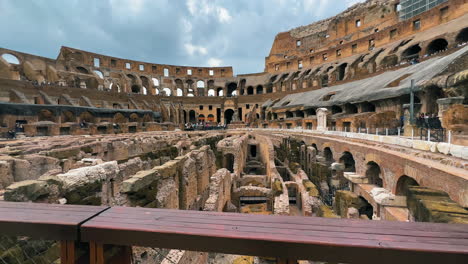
x=353, y=2
x=223, y=15
x=207, y=8
x=123, y=6
x=214, y=62
x=193, y=49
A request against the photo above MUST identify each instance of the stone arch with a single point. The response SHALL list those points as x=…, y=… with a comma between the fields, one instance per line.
x=250, y=90
x=201, y=118
x=68, y=117
x=82, y=70
x=11, y=59
x=145, y=81
x=167, y=91
x=374, y=174
x=367, y=107
x=220, y=91
x=335, y=109
x=403, y=183
x=87, y=117
x=231, y=89
x=134, y=118
x=462, y=37
x=119, y=118
x=46, y=115
x=211, y=118
x=200, y=84
x=328, y=155
x=259, y=89
x=348, y=160
x=99, y=74
x=136, y=89
x=436, y=46
x=211, y=92
x=211, y=84
x=289, y=114
x=228, y=116
x=389, y=61
x=192, y=116
x=179, y=92
x=411, y=52
x=341, y=71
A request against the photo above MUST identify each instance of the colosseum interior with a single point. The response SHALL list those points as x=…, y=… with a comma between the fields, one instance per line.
x=362, y=116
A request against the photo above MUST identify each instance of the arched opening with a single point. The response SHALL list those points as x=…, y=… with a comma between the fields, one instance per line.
x=119, y=118
x=180, y=92
x=190, y=95
x=259, y=89
x=228, y=114
x=210, y=118
x=462, y=37
x=300, y=113
x=133, y=118
x=275, y=116
x=211, y=84
x=10, y=58
x=403, y=184
x=311, y=112
x=315, y=147
x=340, y=72
x=390, y=60
x=167, y=91
x=192, y=116
x=366, y=209
x=367, y=107
x=220, y=91
x=373, y=174
x=232, y=90
x=289, y=114
x=99, y=74
x=201, y=118
x=411, y=52
x=46, y=115
x=135, y=89
x=82, y=70
x=156, y=91
x=250, y=90
x=87, y=117
x=201, y=88
x=328, y=155
x=145, y=91
x=211, y=92
x=229, y=162
x=269, y=88
x=437, y=45
x=269, y=116
x=68, y=117
x=350, y=108
x=348, y=160
x=336, y=109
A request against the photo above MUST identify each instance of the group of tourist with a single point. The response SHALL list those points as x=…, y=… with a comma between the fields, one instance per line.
x=426, y=120
x=203, y=126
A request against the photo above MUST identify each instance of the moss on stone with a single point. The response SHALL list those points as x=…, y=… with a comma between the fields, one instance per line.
x=311, y=188
x=277, y=187
x=345, y=200
x=327, y=212
x=427, y=205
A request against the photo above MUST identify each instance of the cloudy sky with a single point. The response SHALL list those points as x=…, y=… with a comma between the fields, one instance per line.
x=236, y=33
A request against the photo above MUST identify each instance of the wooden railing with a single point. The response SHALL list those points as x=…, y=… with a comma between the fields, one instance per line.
x=287, y=238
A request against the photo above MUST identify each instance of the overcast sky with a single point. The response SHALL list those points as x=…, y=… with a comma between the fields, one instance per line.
x=236, y=33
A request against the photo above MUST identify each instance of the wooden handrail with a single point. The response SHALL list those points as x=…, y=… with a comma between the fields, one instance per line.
x=286, y=237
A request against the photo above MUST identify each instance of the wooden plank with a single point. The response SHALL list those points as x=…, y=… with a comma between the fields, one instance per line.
x=308, y=224
x=44, y=221
x=285, y=237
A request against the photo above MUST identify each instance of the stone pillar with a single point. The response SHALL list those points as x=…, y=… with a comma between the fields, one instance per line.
x=408, y=127
x=322, y=119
